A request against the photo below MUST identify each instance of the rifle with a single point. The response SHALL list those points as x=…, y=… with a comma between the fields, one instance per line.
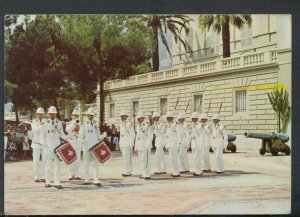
x=208, y=107
x=176, y=103
x=187, y=106
x=220, y=108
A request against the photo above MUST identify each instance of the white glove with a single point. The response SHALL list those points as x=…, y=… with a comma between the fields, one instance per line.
x=104, y=134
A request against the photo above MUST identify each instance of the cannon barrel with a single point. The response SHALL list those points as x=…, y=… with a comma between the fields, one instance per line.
x=267, y=136
x=231, y=137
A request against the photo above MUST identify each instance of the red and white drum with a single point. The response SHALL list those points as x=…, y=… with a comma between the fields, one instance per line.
x=101, y=152
x=66, y=152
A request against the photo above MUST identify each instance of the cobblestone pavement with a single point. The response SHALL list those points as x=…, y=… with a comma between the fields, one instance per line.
x=252, y=184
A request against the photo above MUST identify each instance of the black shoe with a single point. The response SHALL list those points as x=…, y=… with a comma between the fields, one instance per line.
x=141, y=177
x=125, y=175
x=71, y=179
x=195, y=174
x=206, y=171
x=147, y=178
x=187, y=171
x=98, y=184
x=85, y=183
x=77, y=178
x=219, y=172
x=43, y=180
x=163, y=173
x=58, y=186
x=47, y=185
x=157, y=172
x=175, y=175
x=37, y=180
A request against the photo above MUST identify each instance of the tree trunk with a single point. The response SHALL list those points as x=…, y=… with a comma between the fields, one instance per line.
x=226, y=38
x=101, y=99
x=16, y=113
x=155, y=54
x=58, y=111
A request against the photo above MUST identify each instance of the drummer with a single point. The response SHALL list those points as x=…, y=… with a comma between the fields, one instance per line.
x=72, y=129
x=53, y=132
x=89, y=133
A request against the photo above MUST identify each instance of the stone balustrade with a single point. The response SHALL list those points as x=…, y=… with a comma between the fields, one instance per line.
x=231, y=63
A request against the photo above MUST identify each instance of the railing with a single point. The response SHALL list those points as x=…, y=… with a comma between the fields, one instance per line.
x=224, y=64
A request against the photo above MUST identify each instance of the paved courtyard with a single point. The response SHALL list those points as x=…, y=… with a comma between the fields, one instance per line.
x=252, y=184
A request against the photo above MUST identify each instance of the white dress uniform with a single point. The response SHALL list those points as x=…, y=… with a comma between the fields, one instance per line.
x=159, y=129
x=127, y=136
x=172, y=137
x=143, y=144
x=38, y=149
x=184, y=142
x=53, y=133
x=205, y=139
x=72, y=129
x=196, y=145
x=90, y=133
x=219, y=141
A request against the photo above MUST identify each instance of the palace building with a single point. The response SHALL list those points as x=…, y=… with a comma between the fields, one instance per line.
x=201, y=78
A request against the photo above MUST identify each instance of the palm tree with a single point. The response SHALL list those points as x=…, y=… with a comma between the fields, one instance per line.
x=159, y=25
x=221, y=23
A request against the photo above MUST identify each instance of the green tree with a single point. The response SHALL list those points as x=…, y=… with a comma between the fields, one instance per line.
x=159, y=25
x=280, y=103
x=221, y=23
x=111, y=46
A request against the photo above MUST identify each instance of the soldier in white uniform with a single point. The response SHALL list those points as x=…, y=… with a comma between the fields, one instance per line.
x=196, y=145
x=205, y=137
x=53, y=133
x=219, y=141
x=143, y=144
x=159, y=129
x=184, y=142
x=127, y=136
x=90, y=134
x=38, y=146
x=72, y=128
x=172, y=137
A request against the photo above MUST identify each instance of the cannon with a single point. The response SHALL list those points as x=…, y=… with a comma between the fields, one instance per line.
x=231, y=146
x=271, y=142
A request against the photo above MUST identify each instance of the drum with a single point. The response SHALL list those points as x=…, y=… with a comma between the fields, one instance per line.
x=100, y=152
x=65, y=152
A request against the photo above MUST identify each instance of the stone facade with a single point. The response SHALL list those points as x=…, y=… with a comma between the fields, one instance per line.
x=240, y=82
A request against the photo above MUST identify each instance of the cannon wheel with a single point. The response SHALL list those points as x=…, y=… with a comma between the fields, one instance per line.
x=262, y=151
x=287, y=150
x=274, y=151
x=233, y=149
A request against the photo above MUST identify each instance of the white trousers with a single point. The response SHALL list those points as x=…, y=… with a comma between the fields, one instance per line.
x=173, y=150
x=219, y=157
x=160, y=159
x=74, y=167
x=183, y=159
x=197, y=150
x=87, y=157
x=50, y=156
x=127, y=157
x=38, y=165
x=144, y=156
x=206, y=159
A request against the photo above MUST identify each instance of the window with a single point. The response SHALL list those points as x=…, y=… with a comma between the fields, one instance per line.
x=135, y=107
x=163, y=105
x=246, y=37
x=240, y=101
x=213, y=43
x=197, y=103
x=112, y=110
x=189, y=40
